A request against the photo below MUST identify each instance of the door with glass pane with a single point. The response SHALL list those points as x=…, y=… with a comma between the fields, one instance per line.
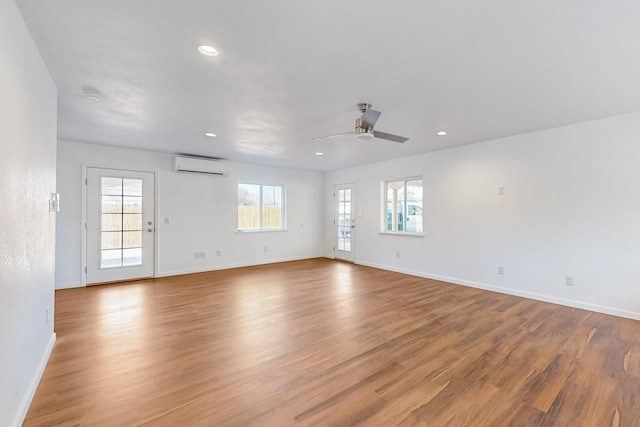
x=345, y=222
x=120, y=225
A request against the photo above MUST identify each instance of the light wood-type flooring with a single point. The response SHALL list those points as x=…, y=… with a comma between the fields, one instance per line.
x=320, y=342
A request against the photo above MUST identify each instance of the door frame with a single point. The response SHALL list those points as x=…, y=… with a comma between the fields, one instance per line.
x=83, y=224
x=336, y=220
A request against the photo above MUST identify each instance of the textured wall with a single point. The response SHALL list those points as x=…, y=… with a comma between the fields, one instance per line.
x=27, y=228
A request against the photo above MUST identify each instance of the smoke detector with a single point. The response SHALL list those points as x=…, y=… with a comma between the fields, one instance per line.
x=92, y=93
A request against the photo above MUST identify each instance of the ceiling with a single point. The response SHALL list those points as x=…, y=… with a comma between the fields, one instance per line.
x=290, y=70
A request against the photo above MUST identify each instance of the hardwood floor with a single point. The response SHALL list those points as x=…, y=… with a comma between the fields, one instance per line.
x=326, y=343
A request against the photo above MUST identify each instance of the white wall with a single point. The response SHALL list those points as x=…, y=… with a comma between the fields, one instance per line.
x=27, y=229
x=572, y=207
x=201, y=210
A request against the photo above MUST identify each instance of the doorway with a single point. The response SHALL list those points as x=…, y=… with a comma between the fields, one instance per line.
x=345, y=225
x=120, y=225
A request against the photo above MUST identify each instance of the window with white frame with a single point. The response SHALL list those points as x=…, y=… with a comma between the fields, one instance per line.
x=260, y=207
x=402, y=206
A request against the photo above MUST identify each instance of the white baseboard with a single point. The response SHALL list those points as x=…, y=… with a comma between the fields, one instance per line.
x=33, y=385
x=231, y=265
x=532, y=295
x=69, y=285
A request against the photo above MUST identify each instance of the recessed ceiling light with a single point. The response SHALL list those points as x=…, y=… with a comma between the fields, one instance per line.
x=441, y=133
x=208, y=50
x=210, y=134
x=319, y=153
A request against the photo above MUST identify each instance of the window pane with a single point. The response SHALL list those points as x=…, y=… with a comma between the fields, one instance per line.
x=131, y=257
x=111, y=186
x=111, y=222
x=132, y=187
x=414, y=206
x=132, y=204
x=111, y=258
x=395, y=205
x=132, y=239
x=111, y=204
x=132, y=222
x=111, y=240
x=271, y=207
x=248, y=207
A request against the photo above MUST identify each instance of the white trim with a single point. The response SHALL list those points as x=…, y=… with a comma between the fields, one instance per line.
x=525, y=294
x=233, y=265
x=23, y=408
x=401, y=233
x=69, y=285
x=261, y=230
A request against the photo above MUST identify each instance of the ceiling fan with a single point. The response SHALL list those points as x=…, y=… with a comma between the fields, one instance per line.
x=364, y=127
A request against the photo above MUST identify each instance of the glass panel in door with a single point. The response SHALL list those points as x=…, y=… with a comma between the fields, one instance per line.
x=345, y=221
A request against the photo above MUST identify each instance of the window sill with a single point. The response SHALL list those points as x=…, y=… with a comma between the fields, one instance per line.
x=401, y=233
x=275, y=230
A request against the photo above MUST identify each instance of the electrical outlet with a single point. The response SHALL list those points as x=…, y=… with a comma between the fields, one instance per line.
x=397, y=254
x=200, y=255
x=218, y=253
x=501, y=190
x=500, y=269
x=568, y=280
x=266, y=249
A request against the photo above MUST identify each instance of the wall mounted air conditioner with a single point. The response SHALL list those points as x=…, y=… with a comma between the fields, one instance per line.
x=198, y=165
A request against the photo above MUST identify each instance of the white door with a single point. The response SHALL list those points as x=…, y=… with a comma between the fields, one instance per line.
x=120, y=225
x=345, y=223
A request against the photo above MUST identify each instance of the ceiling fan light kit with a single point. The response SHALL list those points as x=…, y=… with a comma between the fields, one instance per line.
x=364, y=136
x=363, y=133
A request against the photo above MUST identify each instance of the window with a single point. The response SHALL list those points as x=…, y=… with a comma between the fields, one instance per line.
x=402, y=211
x=260, y=207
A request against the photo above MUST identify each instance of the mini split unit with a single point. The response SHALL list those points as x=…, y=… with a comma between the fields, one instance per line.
x=198, y=165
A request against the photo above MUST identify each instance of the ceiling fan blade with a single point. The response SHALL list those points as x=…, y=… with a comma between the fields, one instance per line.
x=389, y=137
x=332, y=136
x=369, y=118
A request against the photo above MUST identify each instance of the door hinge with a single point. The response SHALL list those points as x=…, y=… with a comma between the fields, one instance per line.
x=86, y=181
x=85, y=225
x=334, y=249
x=85, y=270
